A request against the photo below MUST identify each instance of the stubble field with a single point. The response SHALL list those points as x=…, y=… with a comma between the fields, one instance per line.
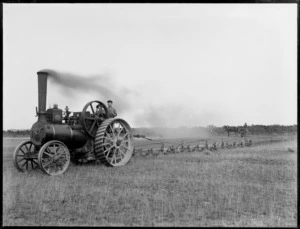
x=252, y=186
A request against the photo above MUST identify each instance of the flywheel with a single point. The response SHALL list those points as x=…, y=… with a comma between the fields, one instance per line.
x=114, y=142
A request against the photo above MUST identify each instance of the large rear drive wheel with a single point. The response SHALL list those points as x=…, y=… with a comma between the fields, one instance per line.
x=114, y=142
x=54, y=158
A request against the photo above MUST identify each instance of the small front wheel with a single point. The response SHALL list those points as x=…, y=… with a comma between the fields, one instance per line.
x=25, y=156
x=54, y=158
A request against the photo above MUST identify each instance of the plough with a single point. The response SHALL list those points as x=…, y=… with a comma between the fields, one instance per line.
x=184, y=146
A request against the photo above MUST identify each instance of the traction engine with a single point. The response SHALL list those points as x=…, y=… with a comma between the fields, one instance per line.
x=80, y=137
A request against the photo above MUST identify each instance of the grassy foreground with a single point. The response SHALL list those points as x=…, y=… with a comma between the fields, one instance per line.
x=254, y=186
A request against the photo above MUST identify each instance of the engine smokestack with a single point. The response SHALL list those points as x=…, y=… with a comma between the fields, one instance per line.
x=42, y=89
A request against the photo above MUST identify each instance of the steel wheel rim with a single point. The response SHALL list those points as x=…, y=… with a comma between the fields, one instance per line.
x=117, y=143
x=114, y=142
x=25, y=157
x=54, y=158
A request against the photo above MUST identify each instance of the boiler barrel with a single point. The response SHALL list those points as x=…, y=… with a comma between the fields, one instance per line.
x=64, y=133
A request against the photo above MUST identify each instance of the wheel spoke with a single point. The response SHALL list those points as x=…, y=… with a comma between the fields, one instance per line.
x=92, y=109
x=22, y=151
x=48, y=164
x=112, y=131
x=31, y=164
x=48, y=170
x=62, y=163
x=119, y=154
x=106, y=143
x=61, y=151
x=112, y=159
x=58, y=148
x=118, y=157
x=125, y=135
x=21, y=160
x=26, y=147
x=23, y=164
x=30, y=147
x=35, y=163
x=62, y=154
x=125, y=141
x=55, y=149
x=49, y=150
x=110, y=152
x=114, y=153
x=108, y=139
x=122, y=152
x=107, y=149
x=47, y=153
x=93, y=126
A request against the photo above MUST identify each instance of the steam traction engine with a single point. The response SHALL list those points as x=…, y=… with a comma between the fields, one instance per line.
x=84, y=136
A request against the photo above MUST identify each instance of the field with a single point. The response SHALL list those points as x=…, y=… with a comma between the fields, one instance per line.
x=253, y=186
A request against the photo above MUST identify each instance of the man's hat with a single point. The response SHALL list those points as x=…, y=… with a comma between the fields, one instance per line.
x=109, y=101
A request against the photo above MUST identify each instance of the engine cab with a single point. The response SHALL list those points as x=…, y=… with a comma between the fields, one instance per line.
x=54, y=115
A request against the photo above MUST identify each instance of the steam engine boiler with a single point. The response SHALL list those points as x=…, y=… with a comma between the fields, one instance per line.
x=58, y=137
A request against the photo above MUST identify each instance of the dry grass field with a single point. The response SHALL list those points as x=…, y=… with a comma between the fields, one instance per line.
x=253, y=186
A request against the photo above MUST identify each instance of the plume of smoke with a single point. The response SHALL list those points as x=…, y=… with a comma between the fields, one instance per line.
x=101, y=85
x=153, y=115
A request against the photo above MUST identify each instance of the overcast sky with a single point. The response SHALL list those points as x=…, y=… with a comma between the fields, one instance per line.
x=179, y=64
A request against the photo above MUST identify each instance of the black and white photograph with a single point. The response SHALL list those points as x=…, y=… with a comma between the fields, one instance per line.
x=150, y=114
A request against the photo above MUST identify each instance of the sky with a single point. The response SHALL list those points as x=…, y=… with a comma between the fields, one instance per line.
x=168, y=65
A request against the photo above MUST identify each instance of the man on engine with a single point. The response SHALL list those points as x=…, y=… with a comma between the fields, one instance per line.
x=99, y=110
x=111, y=112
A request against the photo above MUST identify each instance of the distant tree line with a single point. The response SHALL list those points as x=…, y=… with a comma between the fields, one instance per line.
x=16, y=133
x=260, y=129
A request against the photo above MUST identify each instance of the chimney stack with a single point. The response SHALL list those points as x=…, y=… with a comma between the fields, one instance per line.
x=42, y=88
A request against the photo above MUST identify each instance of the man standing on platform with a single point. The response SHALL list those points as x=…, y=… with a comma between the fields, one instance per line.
x=111, y=110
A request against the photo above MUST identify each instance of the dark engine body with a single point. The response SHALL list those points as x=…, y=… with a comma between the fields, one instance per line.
x=50, y=126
